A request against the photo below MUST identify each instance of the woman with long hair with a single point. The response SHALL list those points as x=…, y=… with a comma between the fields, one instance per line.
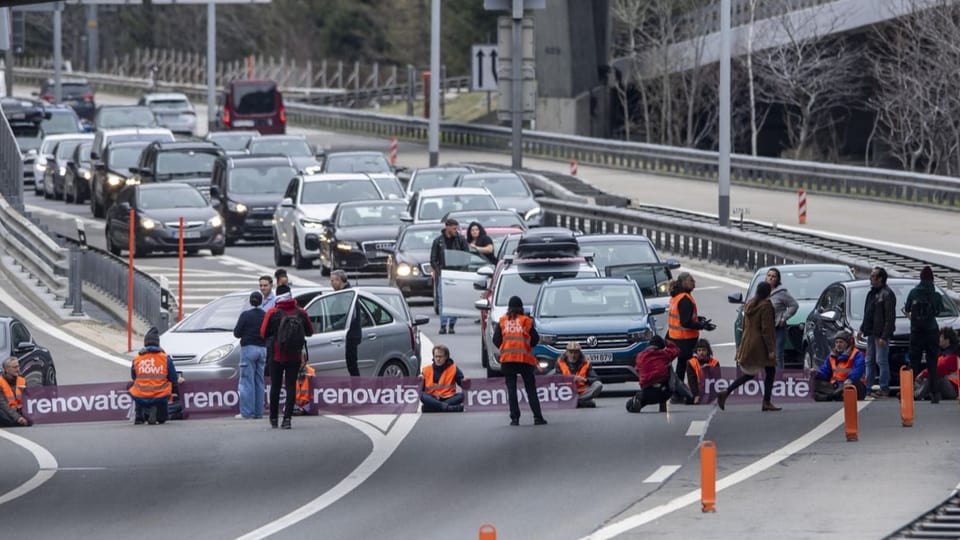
x=758, y=347
x=784, y=307
x=480, y=242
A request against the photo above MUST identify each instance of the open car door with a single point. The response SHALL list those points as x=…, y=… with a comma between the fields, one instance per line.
x=456, y=281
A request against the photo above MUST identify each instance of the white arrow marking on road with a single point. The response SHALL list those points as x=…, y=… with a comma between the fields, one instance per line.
x=45, y=460
x=661, y=474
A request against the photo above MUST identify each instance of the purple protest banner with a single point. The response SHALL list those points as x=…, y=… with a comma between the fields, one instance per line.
x=791, y=386
x=484, y=395
x=365, y=395
x=77, y=403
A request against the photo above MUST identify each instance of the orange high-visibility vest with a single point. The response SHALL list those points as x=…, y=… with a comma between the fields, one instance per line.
x=444, y=388
x=675, y=329
x=841, y=370
x=582, y=372
x=303, y=387
x=151, y=380
x=694, y=364
x=14, y=396
x=516, y=340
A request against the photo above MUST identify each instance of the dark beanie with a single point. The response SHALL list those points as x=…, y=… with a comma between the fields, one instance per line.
x=152, y=337
x=256, y=298
x=657, y=341
x=926, y=274
x=515, y=302
x=281, y=289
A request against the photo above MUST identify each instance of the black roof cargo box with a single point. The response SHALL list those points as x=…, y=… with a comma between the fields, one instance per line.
x=548, y=242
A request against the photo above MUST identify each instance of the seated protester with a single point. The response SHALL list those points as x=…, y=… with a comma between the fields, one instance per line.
x=702, y=360
x=440, y=381
x=845, y=365
x=302, y=406
x=653, y=366
x=153, y=375
x=11, y=402
x=949, y=380
x=574, y=363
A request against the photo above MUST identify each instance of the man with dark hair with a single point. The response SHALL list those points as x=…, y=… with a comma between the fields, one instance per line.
x=286, y=328
x=339, y=282
x=253, y=357
x=923, y=305
x=266, y=292
x=879, y=315
x=440, y=381
x=449, y=239
x=281, y=277
x=946, y=369
x=653, y=369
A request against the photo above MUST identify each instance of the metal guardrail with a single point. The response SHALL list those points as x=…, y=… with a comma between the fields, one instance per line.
x=32, y=249
x=11, y=165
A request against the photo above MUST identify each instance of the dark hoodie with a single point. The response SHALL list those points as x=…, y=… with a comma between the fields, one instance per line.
x=923, y=293
x=482, y=240
x=271, y=323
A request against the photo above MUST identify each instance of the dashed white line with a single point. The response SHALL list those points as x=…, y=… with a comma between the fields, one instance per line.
x=696, y=428
x=661, y=474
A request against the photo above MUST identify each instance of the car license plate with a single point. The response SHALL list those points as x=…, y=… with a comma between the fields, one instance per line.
x=267, y=223
x=187, y=234
x=380, y=254
x=599, y=357
x=243, y=123
x=18, y=116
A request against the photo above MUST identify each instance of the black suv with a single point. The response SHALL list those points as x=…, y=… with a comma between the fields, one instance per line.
x=246, y=190
x=112, y=172
x=188, y=162
x=76, y=93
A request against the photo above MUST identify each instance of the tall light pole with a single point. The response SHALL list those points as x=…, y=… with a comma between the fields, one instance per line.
x=516, y=86
x=211, y=63
x=433, y=134
x=723, y=170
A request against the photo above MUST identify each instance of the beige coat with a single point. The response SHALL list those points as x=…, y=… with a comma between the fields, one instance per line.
x=758, y=347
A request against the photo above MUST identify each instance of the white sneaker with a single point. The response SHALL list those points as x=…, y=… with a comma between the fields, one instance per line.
x=240, y=417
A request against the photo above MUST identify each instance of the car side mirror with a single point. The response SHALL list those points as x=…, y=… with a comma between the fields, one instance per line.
x=735, y=298
x=483, y=304
x=480, y=284
x=406, y=217
x=326, y=223
x=673, y=264
x=69, y=163
x=539, y=193
x=287, y=202
x=830, y=316
x=485, y=271
x=25, y=346
x=658, y=310
x=94, y=155
x=134, y=170
x=214, y=192
x=311, y=242
x=420, y=320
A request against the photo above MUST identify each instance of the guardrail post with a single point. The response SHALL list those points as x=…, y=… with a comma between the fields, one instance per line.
x=75, y=283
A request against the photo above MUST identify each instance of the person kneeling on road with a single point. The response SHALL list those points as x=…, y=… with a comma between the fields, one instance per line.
x=302, y=405
x=153, y=376
x=844, y=366
x=702, y=360
x=11, y=404
x=440, y=381
x=653, y=367
x=949, y=380
x=574, y=363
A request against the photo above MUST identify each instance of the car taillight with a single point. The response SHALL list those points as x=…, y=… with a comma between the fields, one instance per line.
x=88, y=97
x=283, y=114
x=226, y=115
x=48, y=98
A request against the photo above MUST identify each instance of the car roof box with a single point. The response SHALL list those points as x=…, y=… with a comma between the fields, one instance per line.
x=547, y=242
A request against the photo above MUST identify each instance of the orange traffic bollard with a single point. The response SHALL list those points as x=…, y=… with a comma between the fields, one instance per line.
x=850, y=420
x=906, y=396
x=488, y=532
x=708, y=476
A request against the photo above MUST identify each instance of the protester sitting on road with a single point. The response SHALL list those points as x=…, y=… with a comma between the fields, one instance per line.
x=702, y=360
x=286, y=327
x=653, y=367
x=253, y=358
x=574, y=363
x=153, y=375
x=302, y=406
x=844, y=366
x=440, y=380
x=949, y=380
x=11, y=404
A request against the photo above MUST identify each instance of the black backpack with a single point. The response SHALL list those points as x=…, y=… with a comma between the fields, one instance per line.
x=291, y=335
x=922, y=308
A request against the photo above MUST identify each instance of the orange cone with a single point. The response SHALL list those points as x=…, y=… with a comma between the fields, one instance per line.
x=906, y=396
x=850, y=419
x=708, y=476
x=488, y=532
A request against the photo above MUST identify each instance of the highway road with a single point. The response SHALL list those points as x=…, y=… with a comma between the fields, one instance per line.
x=602, y=471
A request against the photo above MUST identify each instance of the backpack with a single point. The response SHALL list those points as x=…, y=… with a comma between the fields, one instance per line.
x=922, y=308
x=291, y=336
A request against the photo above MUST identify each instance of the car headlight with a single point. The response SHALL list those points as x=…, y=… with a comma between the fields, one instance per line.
x=344, y=246
x=641, y=335
x=148, y=223
x=40, y=166
x=62, y=171
x=310, y=224
x=663, y=288
x=85, y=174
x=132, y=181
x=217, y=354
x=237, y=207
x=215, y=221
x=548, y=339
x=404, y=270
x=532, y=213
x=114, y=180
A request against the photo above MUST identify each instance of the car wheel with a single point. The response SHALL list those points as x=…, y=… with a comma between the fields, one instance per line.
x=50, y=376
x=491, y=373
x=808, y=360
x=192, y=251
x=68, y=197
x=298, y=260
x=96, y=208
x=393, y=368
x=36, y=188
x=279, y=258
x=110, y=245
x=33, y=377
x=217, y=251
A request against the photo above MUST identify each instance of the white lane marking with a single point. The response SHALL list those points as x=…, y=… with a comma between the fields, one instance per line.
x=383, y=447
x=296, y=279
x=729, y=344
x=762, y=464
x=81, y=468
x=661, y=474
x=715, y=277
x=860, y=239
x=709, y=288
x=45, y=461
x=56, y=333
x=697, y=428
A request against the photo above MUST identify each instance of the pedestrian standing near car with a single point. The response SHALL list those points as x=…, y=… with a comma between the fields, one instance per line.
x=923, y=305
x=879, y=319
x=339, y=282
x=480, y=243
x=758, y=347
x=280, y=276
x=653, y=370
x=266, y=292
x=697, y=369
x=449, y=239
x=154, y=376
x=516, y=337
x=573, y=363
x=784, y=307
x=11, y=403
x=440, y=381
x=946, y=369
x=683, y=321
x=253, y=358
x=287, y=328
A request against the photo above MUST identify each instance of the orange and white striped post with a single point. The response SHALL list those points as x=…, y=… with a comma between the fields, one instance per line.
x=250, y=66
x=573, y=167
x=802, y=206
x=394, y=147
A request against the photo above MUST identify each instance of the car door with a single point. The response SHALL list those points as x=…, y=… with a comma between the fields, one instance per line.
x=456, y=279
x=330, y=315
x=374, y=320
x=120, y=218
x=284, y=217
x=831, y=301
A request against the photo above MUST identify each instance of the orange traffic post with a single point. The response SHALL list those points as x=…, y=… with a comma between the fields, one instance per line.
x=180, y=274
x=394, y=148
x=573, y=167
x=708, y=476
x=131, y=248
x=250, y=66
x=802, y=206
x=850, y=419
x=906, y=396
x=488, y=532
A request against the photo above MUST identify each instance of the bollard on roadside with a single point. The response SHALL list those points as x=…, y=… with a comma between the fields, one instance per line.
x=488, y=532
x=906, y=396
x=802, y=206
x=850, y=419
x=394, y=147
x=573, y=167
x=708, y=476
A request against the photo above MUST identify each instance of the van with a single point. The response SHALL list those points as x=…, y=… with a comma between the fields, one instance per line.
x=251, y=104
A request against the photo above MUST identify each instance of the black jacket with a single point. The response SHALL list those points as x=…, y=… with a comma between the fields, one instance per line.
x=442, y=243
x=879, y=313
x=248, y=327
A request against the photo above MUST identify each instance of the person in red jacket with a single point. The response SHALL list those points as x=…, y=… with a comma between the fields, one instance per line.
x=653, y=368
x=949, y=380
x=288, y=346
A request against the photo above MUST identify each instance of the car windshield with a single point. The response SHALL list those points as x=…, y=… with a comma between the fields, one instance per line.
x=260, y=180
x=499, y=219
x=28, y=136
x=46, y=147
x=74, y=90
x=335, y=191
x=231, y=142
x=125, y=117
x=390, y=187
x=501, y=186
x=653, y=279
x=218, y=316
x=170, y=105
x=287, y=147
x=603, y=300
x=617, y=252
x=434, y=208
x=254, y=98
x=186, y=197
x=435, y=178
x=526, y=283
x=805, y=284
x=60, y=122
x=858, y=297
x=65, y=149
x=124, y=157
x=369, y=215
x=418, y=239
x=85, y=151
x=357, y=163
x=185, y=162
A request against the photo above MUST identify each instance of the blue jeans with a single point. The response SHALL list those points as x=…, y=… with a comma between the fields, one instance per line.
x=877, y=356
x=444, y=321
x=432, y=404
x=781, y=334
x=250, y=387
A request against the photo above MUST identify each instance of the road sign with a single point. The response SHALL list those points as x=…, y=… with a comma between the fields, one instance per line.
x=484, y=71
